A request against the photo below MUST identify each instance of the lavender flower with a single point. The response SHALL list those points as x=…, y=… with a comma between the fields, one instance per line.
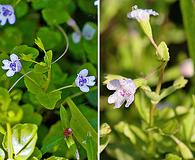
x=83, y=82
x=125, y=90
x=141, y=14
x=12, y=66
x=7, y=13
x=187, y=68
x=88, y=32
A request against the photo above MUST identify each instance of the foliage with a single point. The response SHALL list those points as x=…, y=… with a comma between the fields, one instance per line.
x=159, y=124
x=40, y=102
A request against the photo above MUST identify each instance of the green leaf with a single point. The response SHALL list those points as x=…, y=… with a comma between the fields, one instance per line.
x=49, y=100
x=169, y=127
x=2, y=154
x=104, y=136
x=48, y=58
x=141, y=104
x=92, y=148
x=178, y=84
x=40, y=4
x=64, y=118
x=39, y=43
x=14, y=113
x=139, y=133
x=90, y=114
x=36, y=155
x=54, y=142
x=21, y=9
x=188, y=12
x=35, y=82
x=24, y=137
x=30, y=115
x=87, y=6
x=124, y=128
x=50, y=38
x=10, y=38
x=163, y=51
x=58, y=76
x=105, y=130
x=56, y=158
x=153, y=96
x=185, y=151
x=26, y=53
x=188, y=124
x=172, y=157
x=4, y=99
x=26, y=50
x=82, y=132
x=51, y=15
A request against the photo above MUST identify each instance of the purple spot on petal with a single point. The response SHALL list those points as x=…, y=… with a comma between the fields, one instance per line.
x=13, y=66
x=6, y=12
x=82, y=81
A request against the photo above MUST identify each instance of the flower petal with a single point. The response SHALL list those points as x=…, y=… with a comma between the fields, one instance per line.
x=129, y=101
x=83, y=72
x=12, y=19
x=113, y=84
x=77, y=81
x=90, y=80
x=14, y=57
x=10, y=73
x=18, y=66
x=119, y=102
x=5, y=67
x=112, y=98
x=84, y=88
x=6, y=62
x=3, y=20
x=76, y=37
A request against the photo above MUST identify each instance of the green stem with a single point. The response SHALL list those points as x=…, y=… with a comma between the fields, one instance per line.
x=158, y=88
x=48, y=78
x=9, y=141
x=69, y=86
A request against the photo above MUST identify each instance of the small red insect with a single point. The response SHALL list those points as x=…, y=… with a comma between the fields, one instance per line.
x=67, y=132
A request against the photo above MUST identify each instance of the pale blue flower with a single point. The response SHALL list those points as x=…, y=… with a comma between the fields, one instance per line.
x=12, y=66
x=76, y=37
x=125, y=90
x=83, y=81
x=7, y=13
x=88, y=32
